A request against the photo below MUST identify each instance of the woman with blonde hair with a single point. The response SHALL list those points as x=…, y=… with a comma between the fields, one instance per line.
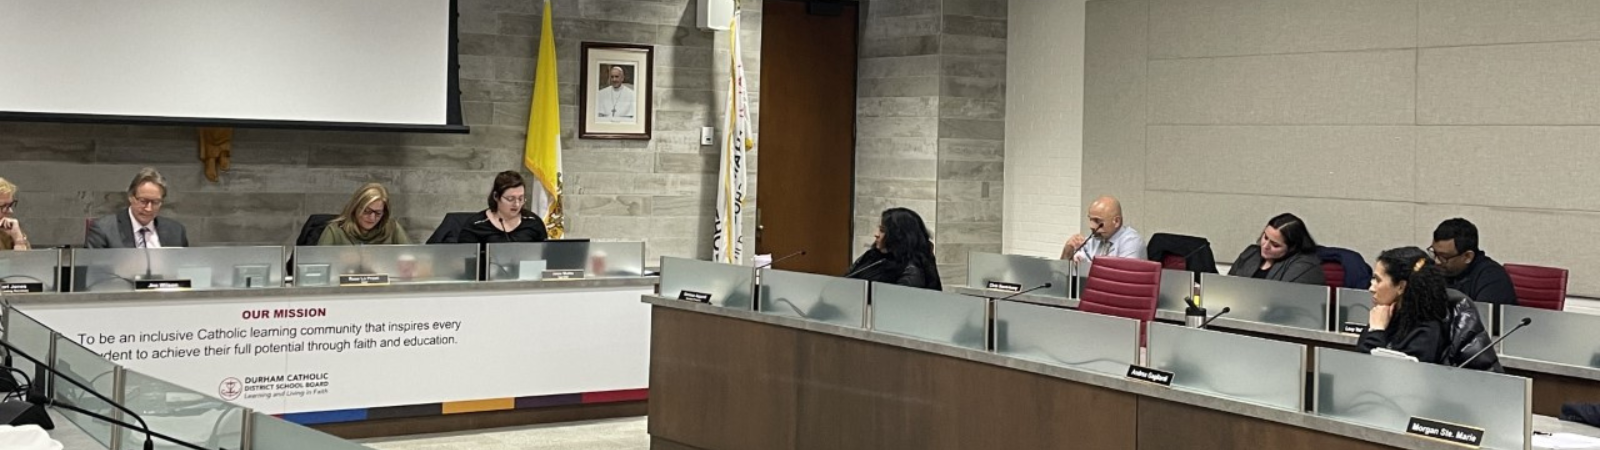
x=11, y=235
x=366, y=220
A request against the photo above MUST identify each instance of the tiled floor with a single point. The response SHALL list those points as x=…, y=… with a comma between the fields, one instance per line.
x=611, y=434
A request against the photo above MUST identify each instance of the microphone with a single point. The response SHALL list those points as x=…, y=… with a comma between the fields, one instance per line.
x=779, y=260
x=1224, y=310
x=864, y=268
x=38, y=398
x=1204, y=246
x=1197, y=250
x=1525, y=322
x=147, y=265
x=1024, y=291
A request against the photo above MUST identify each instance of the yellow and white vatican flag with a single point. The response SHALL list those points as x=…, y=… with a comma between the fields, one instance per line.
x=542, y=153
x=738, y=140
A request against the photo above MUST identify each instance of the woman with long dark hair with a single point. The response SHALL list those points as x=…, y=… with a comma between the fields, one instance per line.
x=1284, y=252
x=1409, y=306
x=902, y=253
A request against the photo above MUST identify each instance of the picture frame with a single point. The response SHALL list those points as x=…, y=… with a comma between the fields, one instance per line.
x=616, y=96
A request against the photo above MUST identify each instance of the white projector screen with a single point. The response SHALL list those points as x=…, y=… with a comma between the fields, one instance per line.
x=315, y=62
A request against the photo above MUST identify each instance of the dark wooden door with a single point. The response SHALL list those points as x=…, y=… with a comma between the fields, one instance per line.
x=806, y=162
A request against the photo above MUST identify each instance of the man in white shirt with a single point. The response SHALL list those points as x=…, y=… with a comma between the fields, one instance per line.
x=1108, y=236
x=614, y=103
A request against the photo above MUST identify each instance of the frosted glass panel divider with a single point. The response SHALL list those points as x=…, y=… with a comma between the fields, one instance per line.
x=404, y=264
x=90, y=369
x=1353, y=307
x=1024, y=271
x=729, y=286
x=1267, y=301
x=181, y=413
x=1385, y=393
x=839, y=301
x=1245, y=368
x=1065, y=337
x=930, y=315
x=528, y=260
x=1554, y=336
x=1175, y=285
x=272, y=433
x=30, y=266
x=206, y=268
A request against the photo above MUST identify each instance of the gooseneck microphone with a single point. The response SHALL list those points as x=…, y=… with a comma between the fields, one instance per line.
x=1525, y=322
x=1024, y=291
x=864, y=268
x=1224, y=310
x=779, y=260
x=148, y=273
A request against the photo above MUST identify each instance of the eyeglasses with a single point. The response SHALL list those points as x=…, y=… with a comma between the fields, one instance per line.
x=515, y=200
x=372, y=213
x=1441, y=259
x=148, y=203
x=10, y=206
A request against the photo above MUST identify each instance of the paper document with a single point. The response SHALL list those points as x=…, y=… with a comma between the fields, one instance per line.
x=1565, y=441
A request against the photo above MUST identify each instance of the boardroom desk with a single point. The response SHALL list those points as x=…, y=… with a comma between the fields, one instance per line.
x=1565, y=376
x=439, y=346
x=800, y=361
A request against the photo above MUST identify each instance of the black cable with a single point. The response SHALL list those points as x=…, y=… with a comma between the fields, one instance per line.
x=143, y=426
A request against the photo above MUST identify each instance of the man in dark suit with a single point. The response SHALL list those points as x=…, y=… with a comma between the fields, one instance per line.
x=138, y=226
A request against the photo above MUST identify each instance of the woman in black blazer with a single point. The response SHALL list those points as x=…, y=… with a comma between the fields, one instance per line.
x=901, y=254
x=1284, y=252
x=507, y=219
x=1409, y=307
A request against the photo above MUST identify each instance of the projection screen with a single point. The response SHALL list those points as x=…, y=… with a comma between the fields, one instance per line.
x=380, y=64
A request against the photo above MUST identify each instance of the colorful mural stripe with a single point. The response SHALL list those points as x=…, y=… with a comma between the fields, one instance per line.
x=468, y=406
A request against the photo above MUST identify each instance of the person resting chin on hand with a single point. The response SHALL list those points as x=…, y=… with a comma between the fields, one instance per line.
x=11, y=235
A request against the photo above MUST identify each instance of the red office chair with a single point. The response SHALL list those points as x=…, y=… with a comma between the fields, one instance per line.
x=1123, y=287
x=1174, y=262
x=1333, y=274
x=1538, y=286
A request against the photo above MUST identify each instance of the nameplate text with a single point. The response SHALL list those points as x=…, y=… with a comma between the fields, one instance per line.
x=369, y=279
x=1150, y=375
x=1448, y=432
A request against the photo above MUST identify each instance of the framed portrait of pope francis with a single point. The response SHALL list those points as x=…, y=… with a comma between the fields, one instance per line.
x=614, y=100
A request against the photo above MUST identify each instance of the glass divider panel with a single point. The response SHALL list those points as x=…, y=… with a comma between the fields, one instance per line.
x=839, y=301
x=1065, y=337
x=930, y=315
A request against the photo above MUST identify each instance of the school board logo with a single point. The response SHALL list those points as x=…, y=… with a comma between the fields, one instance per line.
x=230, y=388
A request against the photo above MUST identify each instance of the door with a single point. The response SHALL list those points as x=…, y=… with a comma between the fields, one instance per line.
x=806, y=159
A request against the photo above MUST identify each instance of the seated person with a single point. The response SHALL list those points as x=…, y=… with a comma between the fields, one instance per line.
x=139, y=226
x=1285, y=252
x=1470, y=270
x=11, y=235
x=1415, y=314
x=1108, y=235
x=366, y=220
x=507, y=219
x=902, y=253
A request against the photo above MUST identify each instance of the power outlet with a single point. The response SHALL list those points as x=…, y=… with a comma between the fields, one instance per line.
x=707, y=135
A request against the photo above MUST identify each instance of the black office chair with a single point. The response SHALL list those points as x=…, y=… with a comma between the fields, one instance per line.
x=312, y=230
x=449, y=230
x=309, y=234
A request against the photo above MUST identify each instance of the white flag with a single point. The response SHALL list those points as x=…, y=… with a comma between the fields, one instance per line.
x=727, y=240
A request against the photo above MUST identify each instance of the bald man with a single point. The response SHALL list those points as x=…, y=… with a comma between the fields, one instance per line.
x=1107, y=235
